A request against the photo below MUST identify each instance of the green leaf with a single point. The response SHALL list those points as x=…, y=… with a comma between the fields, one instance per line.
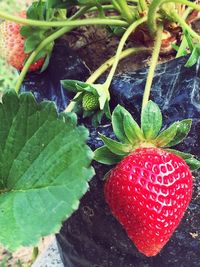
x=45, y=169
x=115, y=147
x=167, y=135
x=105, y=156
x=151, y=120
x=183, y=128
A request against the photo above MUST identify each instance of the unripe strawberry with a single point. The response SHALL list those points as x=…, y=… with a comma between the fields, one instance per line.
x=90, y=102
x=148, y=192
x=12, y=45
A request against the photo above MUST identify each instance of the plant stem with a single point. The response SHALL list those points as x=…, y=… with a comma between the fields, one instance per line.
x=155, y=6
x=68, y=23
x=184, y=25
x=153, y=63
x=123, y=40
x=143, y=5
x=125, y=10
x=184, y=44
x=104, y=67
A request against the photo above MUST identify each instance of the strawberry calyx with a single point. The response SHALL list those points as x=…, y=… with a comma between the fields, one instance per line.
x=131, y=137
x=92, y=100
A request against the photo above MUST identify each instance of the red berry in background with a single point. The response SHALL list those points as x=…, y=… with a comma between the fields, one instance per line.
x=12, y=45
x=148, y=192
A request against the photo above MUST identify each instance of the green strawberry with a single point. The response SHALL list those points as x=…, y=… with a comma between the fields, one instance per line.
x=90, y=102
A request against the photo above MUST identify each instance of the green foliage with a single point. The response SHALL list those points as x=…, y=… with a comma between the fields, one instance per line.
x=44, y=169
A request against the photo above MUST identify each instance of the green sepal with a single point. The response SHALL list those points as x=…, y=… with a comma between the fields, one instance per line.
x=132, y=130
x=97, y=118
x=78, y=86
x=151, y=120
x=118, y=116
x=125, y=127
x=103, y=95
x=115, y=147
x=183, y=128
x=194, y=49
x=106, y=110
x=46, y=63
x=87, y=114
x=166, y=136
x=179, y=153
x=191, y=161
x=105, y=156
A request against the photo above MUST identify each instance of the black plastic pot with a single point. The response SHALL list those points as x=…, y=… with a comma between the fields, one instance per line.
x=92, y=237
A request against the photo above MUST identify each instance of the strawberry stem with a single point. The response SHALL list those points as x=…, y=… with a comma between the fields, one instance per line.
x=155, y=6
x=153, y=63
x=124, y=10
x=69, y=23
x=104, y=67
x=143, y=5
x=123, y=40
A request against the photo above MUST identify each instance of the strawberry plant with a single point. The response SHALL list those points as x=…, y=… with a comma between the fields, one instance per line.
x=45, y=161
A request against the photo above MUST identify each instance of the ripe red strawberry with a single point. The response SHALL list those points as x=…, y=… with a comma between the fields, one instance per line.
x=12, y=45
x=148, y=192
x=150, y=188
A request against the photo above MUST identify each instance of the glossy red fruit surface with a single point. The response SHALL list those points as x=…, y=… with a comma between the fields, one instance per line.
x=148, y=192
x=12, y=45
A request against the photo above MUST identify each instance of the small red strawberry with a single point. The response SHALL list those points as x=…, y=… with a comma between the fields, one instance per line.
x=12, y=45
x=148, y=192
x=150, y=188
